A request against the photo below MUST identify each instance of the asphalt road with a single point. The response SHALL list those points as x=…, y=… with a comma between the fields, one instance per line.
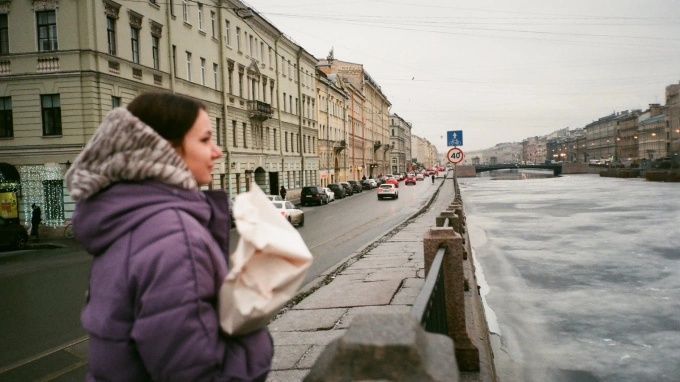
x=42, y=291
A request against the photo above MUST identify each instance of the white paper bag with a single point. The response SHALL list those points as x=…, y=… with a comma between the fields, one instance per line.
x=269, y=263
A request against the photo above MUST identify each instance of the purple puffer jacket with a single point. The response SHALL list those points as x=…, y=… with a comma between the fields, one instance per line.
x=159, y=261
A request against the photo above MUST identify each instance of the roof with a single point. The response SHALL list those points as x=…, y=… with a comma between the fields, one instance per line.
x=651, y=120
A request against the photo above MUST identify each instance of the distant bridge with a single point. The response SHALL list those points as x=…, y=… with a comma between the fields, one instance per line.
x=556, y=168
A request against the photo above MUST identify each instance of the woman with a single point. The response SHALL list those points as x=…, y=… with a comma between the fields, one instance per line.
x=36, y=219
x=159, y=248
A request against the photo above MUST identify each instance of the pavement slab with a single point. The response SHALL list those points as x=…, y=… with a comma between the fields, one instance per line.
x=340, y=295
x=307, y=320
x=346, y=320
x=287, y=376
x=288, y=356
x=306, y=338
x=396, y=274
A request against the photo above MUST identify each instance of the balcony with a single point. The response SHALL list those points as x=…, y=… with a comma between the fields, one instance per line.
x=377, y=145
x=259, y=110
x=48, y=64
x=339, y=146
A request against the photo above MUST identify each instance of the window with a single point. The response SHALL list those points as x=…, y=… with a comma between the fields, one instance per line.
x=51, y=114
x=154, y=52
x=240, y=85
x=250, y=40
x=262, y=52
x=238, y=39
x=290, y=70
x=134, y=38
x=230, y=79
x=47, y=30
x=218, y=131
x=245, y=135
x=296, y=106
x=233, y=132
x=284, y=102
x=188, y=66
x=212, y=23
x=6, y=122
x=202, y=71
x=275, y=148
x=185, y=11
x=215, y=76
x=174, y=60
x=172, y=7
x=270, y=56
x=286, y=140
x=115, y=102
x=227, y=33
x=199, y=6
x=290, y=104
x=110, y=34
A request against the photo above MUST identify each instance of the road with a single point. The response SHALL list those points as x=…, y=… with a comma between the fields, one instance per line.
x=42, y=291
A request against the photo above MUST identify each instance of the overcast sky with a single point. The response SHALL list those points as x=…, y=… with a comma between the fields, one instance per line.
x=500, y=71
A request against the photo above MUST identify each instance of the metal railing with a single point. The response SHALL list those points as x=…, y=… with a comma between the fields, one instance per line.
x=429, y=307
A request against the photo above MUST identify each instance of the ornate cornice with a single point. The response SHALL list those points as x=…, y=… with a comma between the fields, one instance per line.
x=135, y=19
x=4, y=6
x=156, y=28
x=44, y=5
x=111, y=9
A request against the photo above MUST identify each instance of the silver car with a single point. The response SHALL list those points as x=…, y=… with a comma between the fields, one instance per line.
x=331, y=194
x=292, y=214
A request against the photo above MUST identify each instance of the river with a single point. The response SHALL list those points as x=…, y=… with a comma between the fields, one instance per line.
x=581, y=275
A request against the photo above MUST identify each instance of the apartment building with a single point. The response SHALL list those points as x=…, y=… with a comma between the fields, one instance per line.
x=375, y=122
x=400, y=142
x=672, y=113
x=333, y=134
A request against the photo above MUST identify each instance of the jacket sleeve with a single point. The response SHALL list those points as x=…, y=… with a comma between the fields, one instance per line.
x=173, y=272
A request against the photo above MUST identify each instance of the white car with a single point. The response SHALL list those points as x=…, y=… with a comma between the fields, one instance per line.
x=331, y=194
x=374, y=184
x=419, y=176
x=292, y=214
x=274, y=198
x=388, y=191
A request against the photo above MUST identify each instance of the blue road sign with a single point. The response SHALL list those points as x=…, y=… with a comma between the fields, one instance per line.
x=454, y=138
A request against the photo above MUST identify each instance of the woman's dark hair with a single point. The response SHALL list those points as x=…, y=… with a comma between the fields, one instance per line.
x=169, y=114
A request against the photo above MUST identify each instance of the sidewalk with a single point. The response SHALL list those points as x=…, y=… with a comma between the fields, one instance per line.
x=384, y=277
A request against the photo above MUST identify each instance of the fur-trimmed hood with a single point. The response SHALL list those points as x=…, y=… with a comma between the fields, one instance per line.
x=125, y=149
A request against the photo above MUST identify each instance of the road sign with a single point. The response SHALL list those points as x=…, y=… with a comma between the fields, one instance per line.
x=455, y=155
x=454, y=138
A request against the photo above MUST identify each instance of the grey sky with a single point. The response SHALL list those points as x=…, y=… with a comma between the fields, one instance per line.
x=498, y=70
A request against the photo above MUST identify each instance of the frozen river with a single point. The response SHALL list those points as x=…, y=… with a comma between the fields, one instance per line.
x=583, y=276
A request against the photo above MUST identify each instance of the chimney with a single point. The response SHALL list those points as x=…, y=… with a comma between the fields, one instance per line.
x=654, y=109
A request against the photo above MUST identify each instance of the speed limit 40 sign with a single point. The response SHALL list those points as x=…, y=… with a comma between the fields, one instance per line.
x=455, y=155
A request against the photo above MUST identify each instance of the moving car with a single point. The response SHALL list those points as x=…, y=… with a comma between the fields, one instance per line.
x=338, y=190
x=12, y=235
x=388, y=191
x=313, y=195
x=366, y=184
x=331, y=194
x=420, y=177
x=356, y=186
x=292, y=214
x=410, y=180
x=393, y=181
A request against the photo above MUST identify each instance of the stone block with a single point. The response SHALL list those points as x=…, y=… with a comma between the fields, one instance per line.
x=389, y=348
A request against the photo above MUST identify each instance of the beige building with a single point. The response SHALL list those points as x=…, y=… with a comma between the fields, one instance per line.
x=652, y=133
x=400, y=142
x=77, y=60
x=333, y=135
x=601, y=138
x=673, y=119
x=375, y=122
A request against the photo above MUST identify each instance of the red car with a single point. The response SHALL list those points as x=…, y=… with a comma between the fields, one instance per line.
x=410, y=180
x=392, y=181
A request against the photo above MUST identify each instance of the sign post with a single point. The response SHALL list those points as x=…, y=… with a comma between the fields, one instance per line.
x=455, y=156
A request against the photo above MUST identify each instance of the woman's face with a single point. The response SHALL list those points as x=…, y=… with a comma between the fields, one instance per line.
x=198, y=150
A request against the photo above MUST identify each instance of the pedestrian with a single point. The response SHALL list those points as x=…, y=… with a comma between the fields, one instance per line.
x=363, y=177
x=36, y=218
x=159, y=247
x=432, y=178
x=282, y=192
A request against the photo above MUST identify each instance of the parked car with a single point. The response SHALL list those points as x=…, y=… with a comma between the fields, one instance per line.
x=410, y=180
x=381, y=180
x=12, y=235
x=356, y=186
x=275, y=198
x=331, y=194
x=313, y=195
x=292, y=214
x=347, y=187
x=366, y=184
x=338, y=190
x=393, y=181
x=420, y=176
x=373, y=182
x=388, y=191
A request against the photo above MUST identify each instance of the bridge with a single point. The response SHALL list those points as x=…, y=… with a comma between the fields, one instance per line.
x=556, y=168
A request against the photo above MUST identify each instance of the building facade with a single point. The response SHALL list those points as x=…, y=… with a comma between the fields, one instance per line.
x=332, y=99
x=400, y=142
